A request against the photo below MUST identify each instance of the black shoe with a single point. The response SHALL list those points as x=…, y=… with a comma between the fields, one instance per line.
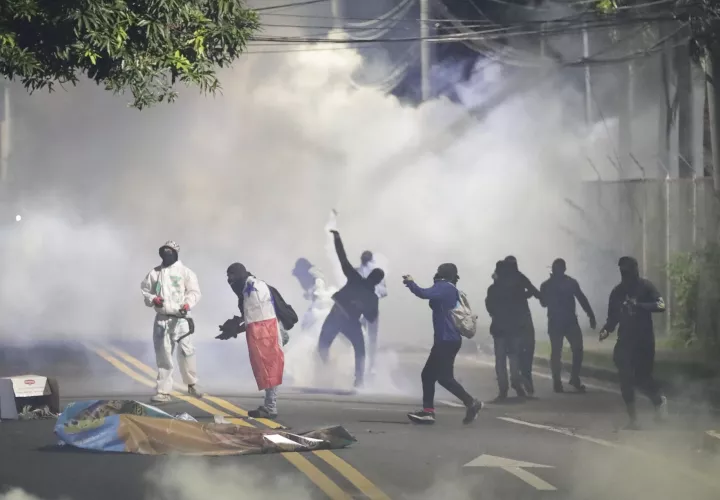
x=558, y=387
x=577, y=385
x=422, y=417
x=501, y=398
x=530, y=388
x=520, y=391
x=262, y=412
x=472, y=411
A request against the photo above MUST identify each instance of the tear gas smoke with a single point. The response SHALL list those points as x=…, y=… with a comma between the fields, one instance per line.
x=251, y=175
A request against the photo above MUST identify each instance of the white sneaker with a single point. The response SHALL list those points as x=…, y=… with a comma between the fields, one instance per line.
x=161, y=398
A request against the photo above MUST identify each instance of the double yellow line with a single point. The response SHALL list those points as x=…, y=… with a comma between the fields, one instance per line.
x=142, y=373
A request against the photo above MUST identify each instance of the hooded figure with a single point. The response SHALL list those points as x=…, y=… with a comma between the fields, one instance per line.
x=501, y=303
x=316, y=290
x=440, y=365
x=631, y=305
x=264, y=338
x=525, y=325
x=172, y=290
x=367, y=264
x=354, y=300
x=558, y=295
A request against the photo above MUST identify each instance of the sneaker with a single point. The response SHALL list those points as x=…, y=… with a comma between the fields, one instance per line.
x=577, y=385
x=472, y=411
x=422, y=417
x=262, y=412
x=519, y=390
x=192, y=391
x=161, y=398
x=661, y=410
x=501, y=398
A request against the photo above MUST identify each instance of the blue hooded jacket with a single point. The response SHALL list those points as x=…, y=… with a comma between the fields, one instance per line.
x=443, y=298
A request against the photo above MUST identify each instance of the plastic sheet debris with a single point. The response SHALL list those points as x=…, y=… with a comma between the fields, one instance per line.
x=186, y=417
x=134, y=427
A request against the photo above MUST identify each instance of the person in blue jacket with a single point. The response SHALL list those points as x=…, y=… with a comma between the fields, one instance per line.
x=443, y=297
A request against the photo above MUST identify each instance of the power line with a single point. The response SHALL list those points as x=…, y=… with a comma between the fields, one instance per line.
x=492, y=33
x=289, y=5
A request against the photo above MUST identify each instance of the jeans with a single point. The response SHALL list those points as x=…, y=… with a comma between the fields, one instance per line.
x=507, y=349
x=439, y=368
x=558, y=333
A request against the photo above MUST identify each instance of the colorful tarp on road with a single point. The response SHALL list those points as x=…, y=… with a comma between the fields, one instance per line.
x=133, y=427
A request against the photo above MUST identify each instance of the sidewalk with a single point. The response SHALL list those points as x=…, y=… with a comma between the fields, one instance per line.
x=682, y=377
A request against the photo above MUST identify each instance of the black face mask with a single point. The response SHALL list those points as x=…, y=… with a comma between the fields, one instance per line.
x=629, y=275
x=168, y=256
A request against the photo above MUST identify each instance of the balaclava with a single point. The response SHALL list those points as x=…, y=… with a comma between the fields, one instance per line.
x=169, y=253
x=559, y=267
x=237, y=275
x=629, y=270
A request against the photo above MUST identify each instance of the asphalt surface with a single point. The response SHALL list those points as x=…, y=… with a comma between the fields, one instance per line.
x=574, y=437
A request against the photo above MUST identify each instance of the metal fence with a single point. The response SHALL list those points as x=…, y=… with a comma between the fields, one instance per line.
x=650, y=219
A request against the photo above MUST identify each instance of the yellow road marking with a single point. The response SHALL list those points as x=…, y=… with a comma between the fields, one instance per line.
x=353, y=475
x=148, y=382
x=317, y=476
x=218, y=401
x=332, y=490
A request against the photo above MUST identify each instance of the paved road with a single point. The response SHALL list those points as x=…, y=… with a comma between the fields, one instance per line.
x=573, y=437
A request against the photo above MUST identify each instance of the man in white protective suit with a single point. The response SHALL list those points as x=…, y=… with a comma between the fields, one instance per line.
x=173, y=291
x=316, y=291
x=367, y=264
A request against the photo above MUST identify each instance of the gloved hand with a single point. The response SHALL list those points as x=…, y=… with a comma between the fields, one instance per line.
x=604, y=334
x=184, y=309
x=407, y=279
x=158, y=301
x=231, y=328
x=593, y=323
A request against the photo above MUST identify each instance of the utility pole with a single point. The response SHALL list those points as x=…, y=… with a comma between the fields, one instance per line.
x=4, y=131
x=424, y=50
x=588, y=87
x=337, y=14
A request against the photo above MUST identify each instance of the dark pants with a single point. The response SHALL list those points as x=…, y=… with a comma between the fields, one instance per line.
x=439, y=368
x=507, y=348
x=338, y=322
x=526, y=357
x=635, y=360
x=558, y=332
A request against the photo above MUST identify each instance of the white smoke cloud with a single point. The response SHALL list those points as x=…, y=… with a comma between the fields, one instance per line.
x=251, y=175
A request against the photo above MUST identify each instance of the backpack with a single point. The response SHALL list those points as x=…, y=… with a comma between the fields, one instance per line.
x=463, y=318
x=284, y=311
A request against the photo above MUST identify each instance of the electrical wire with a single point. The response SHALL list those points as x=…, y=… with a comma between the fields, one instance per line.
x=288, y=5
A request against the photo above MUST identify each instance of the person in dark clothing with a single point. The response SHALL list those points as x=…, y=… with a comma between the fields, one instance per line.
x=631, y=305
x=558, y=295
x=526, y=327
x=504, y=330
x=443, y=297
x=355, y=300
